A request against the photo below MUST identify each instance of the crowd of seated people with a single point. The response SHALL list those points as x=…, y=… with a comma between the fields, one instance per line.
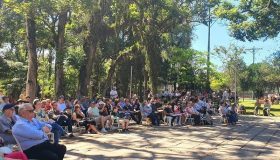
x=97, y=116
x=228, y=112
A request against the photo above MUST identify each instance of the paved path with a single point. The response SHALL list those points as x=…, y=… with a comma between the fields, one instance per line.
x=252, y=138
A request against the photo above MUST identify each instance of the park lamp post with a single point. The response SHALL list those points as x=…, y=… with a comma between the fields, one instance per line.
x=177, y=66
x=130, y=89
x=235, y=78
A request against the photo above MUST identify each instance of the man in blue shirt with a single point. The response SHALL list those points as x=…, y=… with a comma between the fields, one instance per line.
x=31, y=135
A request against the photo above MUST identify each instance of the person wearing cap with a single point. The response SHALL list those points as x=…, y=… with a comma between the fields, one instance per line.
x=7, y=120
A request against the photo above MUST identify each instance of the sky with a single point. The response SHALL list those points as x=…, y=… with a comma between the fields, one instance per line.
x=220, y=37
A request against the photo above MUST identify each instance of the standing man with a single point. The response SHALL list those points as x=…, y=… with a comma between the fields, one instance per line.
x=225, y=95
x=32, y=136
x=114, y=93
x=61, y=104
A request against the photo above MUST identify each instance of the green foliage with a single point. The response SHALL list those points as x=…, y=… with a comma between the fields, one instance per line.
x=153, y=37
x=13, y=75
x=251, y=19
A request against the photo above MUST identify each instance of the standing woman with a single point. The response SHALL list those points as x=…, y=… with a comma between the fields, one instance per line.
x=257, y=107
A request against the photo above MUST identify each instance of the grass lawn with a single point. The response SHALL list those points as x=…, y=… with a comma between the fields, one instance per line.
x=249, y=105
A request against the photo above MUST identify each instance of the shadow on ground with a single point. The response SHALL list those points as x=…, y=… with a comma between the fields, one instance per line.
x=250, y=138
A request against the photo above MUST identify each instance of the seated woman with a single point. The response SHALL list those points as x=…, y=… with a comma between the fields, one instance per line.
x=42, y=116
x=169, y=113
x=185, y=115
x=193, y=112
x=223, y=111
x=78, y=117
x=126, y=116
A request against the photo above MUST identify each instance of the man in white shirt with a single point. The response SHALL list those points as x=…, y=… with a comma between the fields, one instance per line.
x=113, y=93
x=225, y=95
x=61, y=104
x=94, y=112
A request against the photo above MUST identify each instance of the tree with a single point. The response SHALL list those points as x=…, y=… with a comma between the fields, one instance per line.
x=275, y=60
x=251, y=20
x=233, y=63
x=31, y=83
x=95, y=29
x=54, y=17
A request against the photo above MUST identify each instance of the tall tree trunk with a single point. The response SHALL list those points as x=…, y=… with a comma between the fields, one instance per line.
x=146, y=78
x=153, y=60
x=140, y=90
x=90, y=47
x=50, y=58
x=60, y=54
x=108, y=81
x=31, y=83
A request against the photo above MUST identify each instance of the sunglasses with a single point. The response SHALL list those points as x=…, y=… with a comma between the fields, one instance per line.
x=30, y=111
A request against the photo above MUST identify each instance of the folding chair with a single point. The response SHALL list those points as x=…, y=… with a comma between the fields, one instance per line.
x=19, y=149
x=78, y=128
x=189, y=120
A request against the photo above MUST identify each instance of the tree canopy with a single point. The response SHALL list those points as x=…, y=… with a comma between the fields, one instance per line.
x=83, y=48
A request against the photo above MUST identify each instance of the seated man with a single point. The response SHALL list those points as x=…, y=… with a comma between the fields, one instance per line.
x=32, y=136
x=148, y=112
x=133, y=114
x=93, y=112
x=7, y=120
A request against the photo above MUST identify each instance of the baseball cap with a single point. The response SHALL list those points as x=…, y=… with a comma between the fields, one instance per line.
x=60, y=97
x=8, y=106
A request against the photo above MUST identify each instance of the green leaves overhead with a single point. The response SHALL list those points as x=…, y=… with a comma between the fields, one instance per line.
x=251, y=19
